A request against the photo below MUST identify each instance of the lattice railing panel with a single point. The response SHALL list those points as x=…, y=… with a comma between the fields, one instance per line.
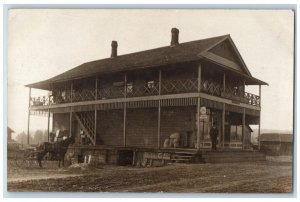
x=252, y=99
x=210, y=87
x=83, y=95
x=143, y=90
x=179, y=86
x=111, y=92
x=87, y=122
x=40, y=101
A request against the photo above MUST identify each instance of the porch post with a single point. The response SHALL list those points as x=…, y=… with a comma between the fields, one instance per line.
x=96, y=89
x=28, y=123
x=223, y=112
x=95, y=123
x=125, y=112
x=71, y=121
x=48, y=126
x=71, y=109
x=223, y=125
x=243, y=132
x=258, y=137
x=72, y=92
x=224, y=82
x=49, y=103
x=159, y=109
x=198, y=107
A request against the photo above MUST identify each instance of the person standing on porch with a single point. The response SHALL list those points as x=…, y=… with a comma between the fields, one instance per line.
x=213, y=136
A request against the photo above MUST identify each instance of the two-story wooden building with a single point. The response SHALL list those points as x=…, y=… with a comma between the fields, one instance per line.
x=136, y=101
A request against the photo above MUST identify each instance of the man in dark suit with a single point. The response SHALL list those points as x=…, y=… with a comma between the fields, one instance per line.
x=213, y=136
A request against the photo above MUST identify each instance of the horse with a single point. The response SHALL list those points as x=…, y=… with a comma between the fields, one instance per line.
x=57, y=149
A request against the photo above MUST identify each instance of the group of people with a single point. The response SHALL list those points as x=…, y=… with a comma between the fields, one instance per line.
x=60, y=135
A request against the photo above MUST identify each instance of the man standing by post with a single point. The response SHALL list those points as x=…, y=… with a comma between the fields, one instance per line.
x=213, y=136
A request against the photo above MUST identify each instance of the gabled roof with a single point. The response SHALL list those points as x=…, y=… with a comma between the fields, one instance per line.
x=183, y=52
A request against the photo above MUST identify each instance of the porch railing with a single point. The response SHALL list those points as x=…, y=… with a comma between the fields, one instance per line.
x=149, y=89
x=143, y=90
x=83, y=95
x=179, y=86
x=111, y=92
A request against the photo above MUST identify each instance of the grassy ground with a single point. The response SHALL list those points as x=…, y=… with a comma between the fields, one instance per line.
x=262, y=177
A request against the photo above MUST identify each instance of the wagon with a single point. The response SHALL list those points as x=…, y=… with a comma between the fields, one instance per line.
x=23, y=157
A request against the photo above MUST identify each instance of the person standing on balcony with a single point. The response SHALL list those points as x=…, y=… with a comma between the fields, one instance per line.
x=213, y=136
x=82, y=136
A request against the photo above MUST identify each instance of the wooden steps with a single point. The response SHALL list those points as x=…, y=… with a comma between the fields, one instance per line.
x=183, y=157
x=232, y=156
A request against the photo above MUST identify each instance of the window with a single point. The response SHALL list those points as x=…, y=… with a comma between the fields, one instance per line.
x=129, y=87
x=150, y=84
x=63, y=95
x=236, y=132
x=118, y=84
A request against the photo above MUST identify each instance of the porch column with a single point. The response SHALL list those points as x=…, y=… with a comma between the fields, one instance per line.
x=243, y=132
x=28, y=123
x=125, y=112
x=48, y=126
x=223, y=111
x=71, y=92
x=198, y=107
x=258, y=137
x=159, y=110
x=71, y=114
x=224, y=82
x=96, y=97
x=223, y=125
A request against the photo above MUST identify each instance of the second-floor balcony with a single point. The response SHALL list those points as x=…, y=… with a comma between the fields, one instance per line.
x=149, y=88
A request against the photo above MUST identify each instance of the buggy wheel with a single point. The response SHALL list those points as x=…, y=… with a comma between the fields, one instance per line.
x=19, y=163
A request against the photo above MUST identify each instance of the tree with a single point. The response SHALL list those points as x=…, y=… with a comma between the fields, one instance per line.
x=23, y=138
x=38, y=137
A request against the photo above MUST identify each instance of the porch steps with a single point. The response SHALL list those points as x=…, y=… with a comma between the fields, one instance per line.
x=232, y=156
x=183, y=157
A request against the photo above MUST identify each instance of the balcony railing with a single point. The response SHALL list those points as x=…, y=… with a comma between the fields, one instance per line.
x=148, y=89
x=111, y=92
x=179, y=86
x=83, y=95
x=143, y=90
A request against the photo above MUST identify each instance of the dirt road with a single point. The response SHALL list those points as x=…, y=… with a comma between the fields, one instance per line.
x=263, y=177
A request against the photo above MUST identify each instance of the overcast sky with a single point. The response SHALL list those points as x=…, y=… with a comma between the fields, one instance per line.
x=44, y=43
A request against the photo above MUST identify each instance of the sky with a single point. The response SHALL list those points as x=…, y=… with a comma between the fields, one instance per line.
x=43, y=43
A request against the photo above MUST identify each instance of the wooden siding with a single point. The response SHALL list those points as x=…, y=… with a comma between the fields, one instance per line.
x=141, y=127
x=177, y=119
x=110, y=127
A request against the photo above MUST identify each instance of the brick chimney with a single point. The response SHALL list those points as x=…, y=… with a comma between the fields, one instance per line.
x=175, y=33
x=114, y=49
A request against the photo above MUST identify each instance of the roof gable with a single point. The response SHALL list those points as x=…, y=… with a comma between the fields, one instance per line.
x=227, y=54
x=226, y=51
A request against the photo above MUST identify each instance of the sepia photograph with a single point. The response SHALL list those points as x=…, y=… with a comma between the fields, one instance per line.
x=150, y=101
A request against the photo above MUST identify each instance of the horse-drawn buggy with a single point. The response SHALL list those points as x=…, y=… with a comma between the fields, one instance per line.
x=31, y=156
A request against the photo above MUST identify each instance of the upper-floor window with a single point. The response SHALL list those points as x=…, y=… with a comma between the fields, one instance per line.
x=118, y=83
x=63, y=95
x=129, y=87
x=150, y=84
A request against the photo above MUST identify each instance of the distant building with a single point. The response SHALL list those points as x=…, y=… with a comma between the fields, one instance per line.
x=9, y=133
x=11, y=144
x=276, y=143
